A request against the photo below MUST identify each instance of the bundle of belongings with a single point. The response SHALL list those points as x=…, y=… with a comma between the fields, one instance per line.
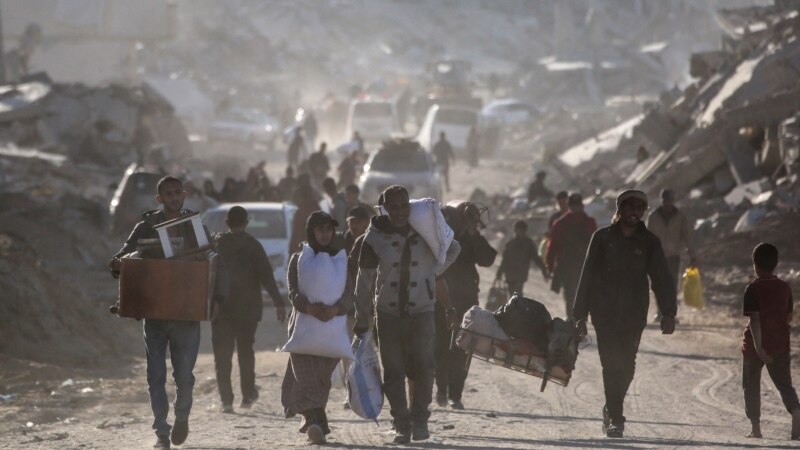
x=170, y=278
x=523, y=336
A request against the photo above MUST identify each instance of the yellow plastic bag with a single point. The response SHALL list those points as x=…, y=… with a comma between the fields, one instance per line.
x=693, y=288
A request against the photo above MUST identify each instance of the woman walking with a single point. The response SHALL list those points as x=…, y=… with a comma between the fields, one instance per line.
x=307, y=382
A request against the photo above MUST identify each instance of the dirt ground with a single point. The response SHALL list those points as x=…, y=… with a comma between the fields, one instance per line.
x=686, y=393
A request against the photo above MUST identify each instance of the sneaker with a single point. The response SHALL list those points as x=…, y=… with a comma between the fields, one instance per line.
x=247, y=403
x=226, y=408
x=420, y=432
x=315, y=434
x=402, y=437
x=441, y=398
x=606, y=420
x=615, y=430
x=180, y=431
x=162, y=443
x=456, y=404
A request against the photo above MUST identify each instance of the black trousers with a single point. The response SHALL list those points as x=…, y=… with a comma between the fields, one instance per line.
x=779, y=371
x=450, y=364
x=617, y=347
x=225, y=335
x=515, y=286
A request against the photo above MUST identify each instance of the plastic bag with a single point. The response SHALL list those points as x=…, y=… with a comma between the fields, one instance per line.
x=693, y=288
x=525, y=318
x=364, y=391
x=339, y=375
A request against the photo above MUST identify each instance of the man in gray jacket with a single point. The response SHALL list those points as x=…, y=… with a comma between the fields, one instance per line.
x=398, y=272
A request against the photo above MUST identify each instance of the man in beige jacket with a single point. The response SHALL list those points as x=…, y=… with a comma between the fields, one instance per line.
x=672, y=228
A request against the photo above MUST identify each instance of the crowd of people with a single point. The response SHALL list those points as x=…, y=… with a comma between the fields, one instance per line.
x=394, y=283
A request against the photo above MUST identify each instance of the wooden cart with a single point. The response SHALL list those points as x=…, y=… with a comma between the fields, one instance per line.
x=512, y=354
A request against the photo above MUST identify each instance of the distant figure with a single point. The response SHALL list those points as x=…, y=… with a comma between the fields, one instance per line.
x=306, y=200
x=537, y=190
x=347, y=170
x=520, y=251
x=195, y=199
x=443, y=154
x=768, y=303
x=352, y=195
x=319, y=165
x=210, y=191
x=672, y=227
x=566, y=249
x=295, y=147
x=623, y=261
x=336, y=200
x=642, y=155
x=287, y=184
x=310, y=127
x=473, y=146
x=562, y=200
x=231, y=191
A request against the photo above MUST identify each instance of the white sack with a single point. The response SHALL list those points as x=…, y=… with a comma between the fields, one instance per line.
x=321, y=278
x=480, y=321
x=364, y=392
x=426, y=219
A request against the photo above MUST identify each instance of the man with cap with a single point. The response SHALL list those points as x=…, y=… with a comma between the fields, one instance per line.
x=672, y=227
x=566, y=249
x=613, y=288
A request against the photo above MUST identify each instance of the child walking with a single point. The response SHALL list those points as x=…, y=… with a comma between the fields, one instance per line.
x=768, y=304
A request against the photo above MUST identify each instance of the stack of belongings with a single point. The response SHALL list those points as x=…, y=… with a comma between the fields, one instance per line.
x=522, y=335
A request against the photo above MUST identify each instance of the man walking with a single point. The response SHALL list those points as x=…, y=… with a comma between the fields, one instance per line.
x=442, y=155
x=672, y=227
x=235, y=325
x=517, y=257
x=462, y=281
x=398, y=272
x=181, y=336
x=566, y=249
x=614, y=290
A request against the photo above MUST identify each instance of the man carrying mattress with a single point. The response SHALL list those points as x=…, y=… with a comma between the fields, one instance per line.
x=398, y=268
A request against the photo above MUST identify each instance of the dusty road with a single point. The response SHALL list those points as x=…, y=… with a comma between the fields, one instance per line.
x=686, y=394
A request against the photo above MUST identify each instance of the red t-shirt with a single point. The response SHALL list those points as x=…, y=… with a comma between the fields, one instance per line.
x=771, y=298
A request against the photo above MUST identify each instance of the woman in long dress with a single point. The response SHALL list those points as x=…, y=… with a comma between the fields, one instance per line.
x=307, y=382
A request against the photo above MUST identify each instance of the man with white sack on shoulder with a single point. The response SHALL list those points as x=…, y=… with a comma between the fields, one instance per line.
x=321, y=293
x=403, y=254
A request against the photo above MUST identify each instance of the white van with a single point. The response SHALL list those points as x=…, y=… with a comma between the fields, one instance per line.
x=375, y=120
x=454, y=121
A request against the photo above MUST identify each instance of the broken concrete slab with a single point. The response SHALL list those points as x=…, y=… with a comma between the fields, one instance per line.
x=748, y=192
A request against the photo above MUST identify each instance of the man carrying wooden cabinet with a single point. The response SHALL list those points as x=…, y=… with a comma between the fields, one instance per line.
x=182, y=336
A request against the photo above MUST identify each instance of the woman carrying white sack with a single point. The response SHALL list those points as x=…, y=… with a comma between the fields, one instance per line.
x=318, y=336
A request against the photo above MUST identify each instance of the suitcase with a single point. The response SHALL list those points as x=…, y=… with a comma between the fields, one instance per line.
x=167, y=289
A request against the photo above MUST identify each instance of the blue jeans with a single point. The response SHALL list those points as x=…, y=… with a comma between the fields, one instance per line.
x=183, y=339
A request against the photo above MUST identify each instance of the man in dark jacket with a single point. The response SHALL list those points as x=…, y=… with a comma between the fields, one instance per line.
x=566, y=249
x=462, y=281
x=181, y=336
x=614, y=290
x=442, y=154
x=537, y=190
x=517, y=257
x=249, y=269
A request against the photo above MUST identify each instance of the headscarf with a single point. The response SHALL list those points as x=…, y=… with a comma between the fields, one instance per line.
x=318, y=218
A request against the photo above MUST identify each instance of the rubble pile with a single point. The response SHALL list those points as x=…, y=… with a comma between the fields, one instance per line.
x=111, y=125
x=727, y=143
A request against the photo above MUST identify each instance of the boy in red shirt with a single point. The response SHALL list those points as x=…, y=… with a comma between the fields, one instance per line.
x=768, y=303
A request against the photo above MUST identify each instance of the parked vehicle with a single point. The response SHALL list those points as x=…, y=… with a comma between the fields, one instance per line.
x=135, y=195
x=270, y=223
x=507, y=112
x=248, y=125
x=454, y=121
x=375, y=120
x=404, y=162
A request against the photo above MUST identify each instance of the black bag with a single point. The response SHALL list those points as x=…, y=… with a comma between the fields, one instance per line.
x=525, y=318
x=562, y=350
